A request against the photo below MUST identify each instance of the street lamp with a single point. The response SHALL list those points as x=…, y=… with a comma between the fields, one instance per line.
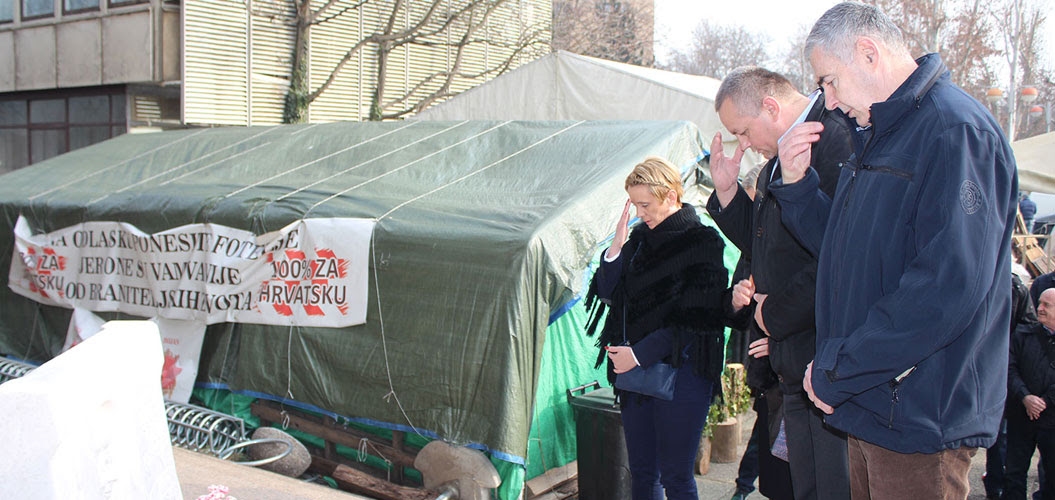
x=994, y=95
x=1029, y=94
x=1026, y=95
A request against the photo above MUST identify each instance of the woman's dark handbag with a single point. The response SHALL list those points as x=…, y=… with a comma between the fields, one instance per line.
x=656, y=380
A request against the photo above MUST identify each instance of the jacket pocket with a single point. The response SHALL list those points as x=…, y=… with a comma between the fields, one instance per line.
x=895, y=396
x=886, y=170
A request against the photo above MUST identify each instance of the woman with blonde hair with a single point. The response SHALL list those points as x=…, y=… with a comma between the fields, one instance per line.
x=663, y=284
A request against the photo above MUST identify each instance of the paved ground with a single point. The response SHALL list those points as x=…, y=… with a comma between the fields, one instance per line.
x=197, y=471
x=719, y=483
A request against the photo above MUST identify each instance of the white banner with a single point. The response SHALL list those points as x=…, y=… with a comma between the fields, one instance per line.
x=312, y=272
x=181, y=341
x=83, y=324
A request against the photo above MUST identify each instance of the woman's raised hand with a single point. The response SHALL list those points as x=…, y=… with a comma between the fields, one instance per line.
x=621, y=229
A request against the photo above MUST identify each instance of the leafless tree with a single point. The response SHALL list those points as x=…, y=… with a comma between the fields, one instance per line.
x=960, y=30
x=1020, y=24
x=717, y=50
x=616, y=30
x=454, y=25
x=795, y=65
x=1034, y=125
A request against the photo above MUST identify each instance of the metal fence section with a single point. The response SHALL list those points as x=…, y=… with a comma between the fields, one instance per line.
x=201, y=429
x=11, y=369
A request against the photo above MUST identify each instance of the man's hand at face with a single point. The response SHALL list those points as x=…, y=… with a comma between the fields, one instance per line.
x=794, y=150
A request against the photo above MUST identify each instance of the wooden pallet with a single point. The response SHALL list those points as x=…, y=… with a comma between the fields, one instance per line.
x=1029, y=251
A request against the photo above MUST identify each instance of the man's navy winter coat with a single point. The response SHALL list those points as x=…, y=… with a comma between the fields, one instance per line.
x=913, y=266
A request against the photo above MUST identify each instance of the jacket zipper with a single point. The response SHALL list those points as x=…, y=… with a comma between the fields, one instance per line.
x=894, y=400
x=849, y=192
x=888, y=170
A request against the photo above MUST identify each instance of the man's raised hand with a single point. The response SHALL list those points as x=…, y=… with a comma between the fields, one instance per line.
x=724, y=170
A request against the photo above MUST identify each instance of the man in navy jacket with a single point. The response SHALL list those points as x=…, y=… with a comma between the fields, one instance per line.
x=912, y=292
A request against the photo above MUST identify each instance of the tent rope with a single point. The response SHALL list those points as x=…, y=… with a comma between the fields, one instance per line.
x=384, y=344
x=373, y=249
x=397, y=169
x=470, y=174
x=188, y=162
x=80, y=179
x=312, y=162
x=32, y=331
x=289, y=377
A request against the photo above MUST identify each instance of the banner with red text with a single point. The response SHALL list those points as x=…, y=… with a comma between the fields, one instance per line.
x=312, y=272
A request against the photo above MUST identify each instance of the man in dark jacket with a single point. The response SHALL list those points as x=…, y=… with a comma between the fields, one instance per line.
x=1022, y=315
x=1030, y=397
x=1041, y=283
x=1029, y=210
x=759, y=106
x=913, y=297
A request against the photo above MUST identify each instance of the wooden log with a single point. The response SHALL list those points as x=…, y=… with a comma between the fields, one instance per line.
x=339, y=434
x=724, y=442
x=362, y=483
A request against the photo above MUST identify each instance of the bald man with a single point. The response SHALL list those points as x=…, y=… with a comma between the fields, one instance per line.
x=1030, y=397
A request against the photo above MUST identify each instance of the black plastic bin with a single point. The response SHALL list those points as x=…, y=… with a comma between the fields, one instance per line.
x=604, y=473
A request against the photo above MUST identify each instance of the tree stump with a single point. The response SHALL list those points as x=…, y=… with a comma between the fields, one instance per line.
x=725, y=440
x=703, y=456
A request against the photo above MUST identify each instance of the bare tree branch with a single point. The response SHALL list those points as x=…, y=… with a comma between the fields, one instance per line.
x=340, y=65
x=316, y=21
x=431, y=27
x=620, y=31
x=717, y=50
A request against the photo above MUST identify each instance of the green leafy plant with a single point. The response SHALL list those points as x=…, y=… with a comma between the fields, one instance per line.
x=735, y=399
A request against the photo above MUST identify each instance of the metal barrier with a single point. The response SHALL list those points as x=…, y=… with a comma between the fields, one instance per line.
x=192, y=427
x=201, y=429
x=11, y=369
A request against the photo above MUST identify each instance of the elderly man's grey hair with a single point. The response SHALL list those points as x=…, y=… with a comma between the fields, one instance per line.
x=837, y=30
x=748, y=85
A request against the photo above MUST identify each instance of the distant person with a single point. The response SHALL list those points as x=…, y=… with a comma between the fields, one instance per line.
x=663, y=284
x=1029, y=210
x=1022, y=315
x=758, y=462
x=1030, y=401
x=750, y=181
x=1041, y=283
x=913, y=295
x=759, y=107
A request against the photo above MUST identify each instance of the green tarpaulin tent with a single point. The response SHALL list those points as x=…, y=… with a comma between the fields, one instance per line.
x=484, y=231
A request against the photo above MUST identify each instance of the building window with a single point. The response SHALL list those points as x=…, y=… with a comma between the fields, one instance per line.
x=14, y=137
x=7, y=11
x=122, y=3
x=37, y=8
x=35, y=128
x=72, y=6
